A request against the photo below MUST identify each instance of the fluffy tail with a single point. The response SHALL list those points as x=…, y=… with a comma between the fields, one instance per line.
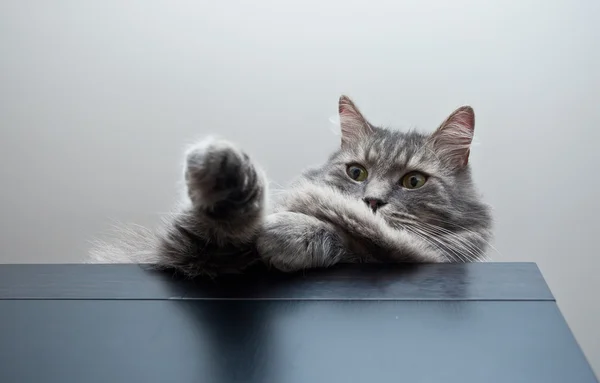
x=178, y=246
x=128, y=244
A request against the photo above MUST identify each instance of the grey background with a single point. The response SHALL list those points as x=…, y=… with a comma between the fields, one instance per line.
x=99, y=98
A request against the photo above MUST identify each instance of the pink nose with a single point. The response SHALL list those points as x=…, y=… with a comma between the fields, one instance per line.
x=374, y=203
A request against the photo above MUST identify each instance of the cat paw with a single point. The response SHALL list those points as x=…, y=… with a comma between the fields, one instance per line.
x=292, y=241
x=216, y=170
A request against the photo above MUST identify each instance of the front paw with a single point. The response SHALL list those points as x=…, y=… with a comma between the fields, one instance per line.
x=216, y=170
x=293, y=241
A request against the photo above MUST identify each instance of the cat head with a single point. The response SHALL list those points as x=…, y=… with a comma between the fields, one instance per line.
x=417, y=182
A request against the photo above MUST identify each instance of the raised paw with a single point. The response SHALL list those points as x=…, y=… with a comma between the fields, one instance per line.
x=293, y=241
x=217, y=172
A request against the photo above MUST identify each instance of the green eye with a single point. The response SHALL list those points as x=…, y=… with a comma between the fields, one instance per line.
x=413, y=180
x=356, y=172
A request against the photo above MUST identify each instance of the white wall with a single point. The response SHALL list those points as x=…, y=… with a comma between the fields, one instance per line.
x=97, y=99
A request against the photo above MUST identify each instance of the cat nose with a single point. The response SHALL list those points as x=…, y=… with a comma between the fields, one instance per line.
x=374, y=203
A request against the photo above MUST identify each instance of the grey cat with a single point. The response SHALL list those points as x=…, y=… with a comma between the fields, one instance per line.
x=384, y=196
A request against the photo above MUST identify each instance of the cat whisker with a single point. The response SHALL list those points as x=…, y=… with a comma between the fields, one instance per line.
x=444, y=248
x=469, y=251
x=466, y=248
x=427, y=240
x=470, y=231
x=454, y=237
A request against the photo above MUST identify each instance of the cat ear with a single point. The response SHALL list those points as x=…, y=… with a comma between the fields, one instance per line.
x=354, y=126
x=452, y=140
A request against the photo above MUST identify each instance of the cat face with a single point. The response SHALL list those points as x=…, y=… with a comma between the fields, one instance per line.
x=399, y=173
x=418, y=182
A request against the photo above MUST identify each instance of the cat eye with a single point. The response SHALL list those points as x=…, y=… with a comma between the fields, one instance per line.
x=357, y=172
x=413, y=180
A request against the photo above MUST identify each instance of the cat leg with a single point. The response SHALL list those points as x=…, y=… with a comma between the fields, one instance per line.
x=216, y=231
x=294, y=241
x=371, y=237
x=227, y=191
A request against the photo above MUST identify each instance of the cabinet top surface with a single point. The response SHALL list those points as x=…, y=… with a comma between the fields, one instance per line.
x=472, y=281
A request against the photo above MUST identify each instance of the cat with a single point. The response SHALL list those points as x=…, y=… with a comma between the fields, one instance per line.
x=383, y=196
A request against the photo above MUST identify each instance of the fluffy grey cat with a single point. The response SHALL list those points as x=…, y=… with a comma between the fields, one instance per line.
x=384, y=196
